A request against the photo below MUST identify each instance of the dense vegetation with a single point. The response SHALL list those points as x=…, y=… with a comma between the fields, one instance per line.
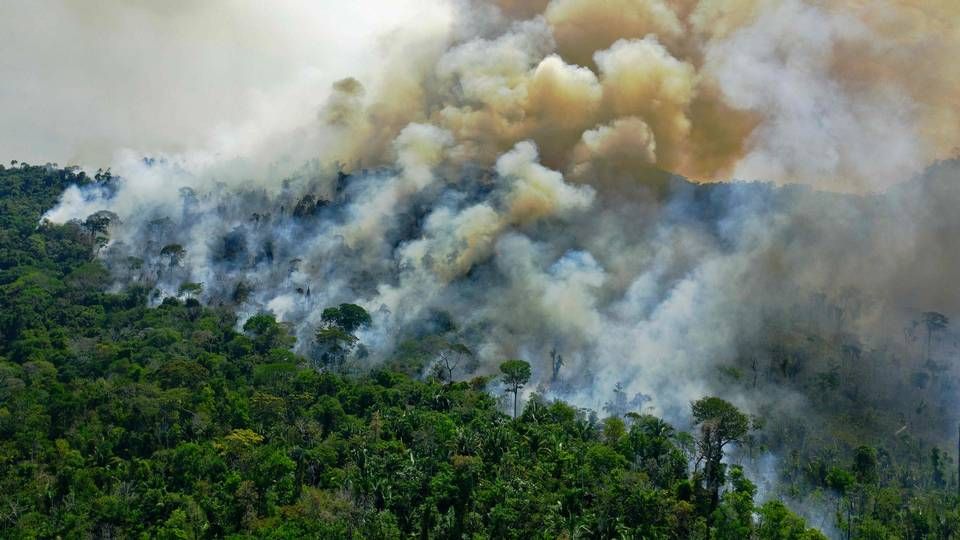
x=121, y=420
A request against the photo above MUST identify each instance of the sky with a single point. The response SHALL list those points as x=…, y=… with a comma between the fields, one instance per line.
x=83, y=79
x=844, y=96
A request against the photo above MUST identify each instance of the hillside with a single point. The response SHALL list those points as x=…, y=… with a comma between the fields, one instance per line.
x=124, y=420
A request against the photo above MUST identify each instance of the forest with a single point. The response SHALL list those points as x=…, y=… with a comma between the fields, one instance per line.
x=126, y=417
x=470, y=269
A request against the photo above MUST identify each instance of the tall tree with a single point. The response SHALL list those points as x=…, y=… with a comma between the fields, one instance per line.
x=335, y=338
x=720, y=424
x=174, y=253
x=516, y=373
x=557, y=361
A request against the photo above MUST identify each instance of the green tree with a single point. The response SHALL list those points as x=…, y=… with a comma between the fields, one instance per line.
x=733, y=518
x=349, y=317
x=335, y=339
x=190, y=289
x=720, y=425
x=98, y=223
x=865, y=464
x=266, y=333
x=516, y=373
x=173, y=253
x=334, y=344
x=776, y=522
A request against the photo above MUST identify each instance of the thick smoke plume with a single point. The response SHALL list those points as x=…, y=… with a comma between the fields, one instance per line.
x=515, y=173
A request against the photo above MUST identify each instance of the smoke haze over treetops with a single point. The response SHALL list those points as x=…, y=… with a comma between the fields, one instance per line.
x=510, y=167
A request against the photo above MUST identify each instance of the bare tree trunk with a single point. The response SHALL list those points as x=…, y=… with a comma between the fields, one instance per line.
x=515, y=392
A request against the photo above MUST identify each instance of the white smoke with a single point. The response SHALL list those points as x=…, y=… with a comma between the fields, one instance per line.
x=510, y=174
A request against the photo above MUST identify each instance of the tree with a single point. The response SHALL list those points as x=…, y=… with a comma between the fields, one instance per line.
x=98, y=223
x=335, y=344
x=734, y=517
x=174, y=253
x=134, y=266
x=777, y=522
x=449, y=357
x=618, y=406
x=335, y=338
x=190, y=289
x=349, y=317
x=720, y=424
x=938, y=468
x=935, y=323
x=865, y=464
x=96, y=226
x=266, y=333
x=556, y=360
x=516, y=373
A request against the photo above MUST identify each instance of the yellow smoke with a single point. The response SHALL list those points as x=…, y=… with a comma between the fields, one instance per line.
x=605, y=88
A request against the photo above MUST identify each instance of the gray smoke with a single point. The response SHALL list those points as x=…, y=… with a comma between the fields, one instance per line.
x=507, y=174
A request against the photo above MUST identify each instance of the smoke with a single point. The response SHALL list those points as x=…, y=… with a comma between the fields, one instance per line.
x=514, y=166
x=749, y=89
x=83, y=79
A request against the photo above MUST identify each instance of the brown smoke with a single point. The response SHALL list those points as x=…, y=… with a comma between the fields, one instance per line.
x=701, y=88
x=573, y=104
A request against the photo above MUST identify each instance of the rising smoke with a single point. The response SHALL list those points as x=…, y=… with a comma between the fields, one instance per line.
x=520, y=173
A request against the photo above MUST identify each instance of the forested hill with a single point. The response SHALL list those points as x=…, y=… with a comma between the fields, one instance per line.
x=119, y=420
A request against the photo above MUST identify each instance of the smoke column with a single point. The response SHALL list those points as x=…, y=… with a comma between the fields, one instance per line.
x=518, y=169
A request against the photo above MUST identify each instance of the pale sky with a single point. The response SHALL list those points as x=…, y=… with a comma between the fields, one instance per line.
x=82, y=79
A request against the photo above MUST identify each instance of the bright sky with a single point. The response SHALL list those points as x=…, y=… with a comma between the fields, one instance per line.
x=80, y=79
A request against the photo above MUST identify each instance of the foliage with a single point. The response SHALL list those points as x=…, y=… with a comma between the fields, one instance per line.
x=122, y=420
x=516, y=373
x=349, y=317
x=720, y=424
x=335, y=340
